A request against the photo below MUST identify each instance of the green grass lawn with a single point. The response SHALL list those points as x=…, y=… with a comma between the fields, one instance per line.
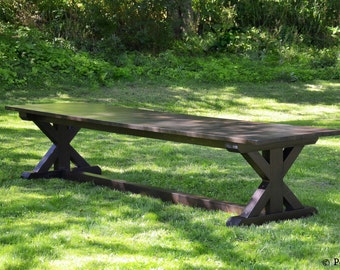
x=57, y=224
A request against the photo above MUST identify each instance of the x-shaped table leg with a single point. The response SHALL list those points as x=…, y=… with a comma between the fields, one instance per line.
x=60, y=155
x=273, y=200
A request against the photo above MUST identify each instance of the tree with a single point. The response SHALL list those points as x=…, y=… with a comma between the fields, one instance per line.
x=182, y=17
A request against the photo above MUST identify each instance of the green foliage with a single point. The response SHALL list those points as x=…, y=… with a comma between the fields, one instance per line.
x=140, y=24
x=288, y=65
x=236, y=25
x=324, y=58
x=153, y=25
x=93, y=25
x=292, y=21
x=26, y=58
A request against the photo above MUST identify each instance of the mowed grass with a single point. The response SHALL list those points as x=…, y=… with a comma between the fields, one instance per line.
x=57, y=224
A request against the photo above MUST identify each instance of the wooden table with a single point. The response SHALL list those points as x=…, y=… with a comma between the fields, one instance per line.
x=270, y=149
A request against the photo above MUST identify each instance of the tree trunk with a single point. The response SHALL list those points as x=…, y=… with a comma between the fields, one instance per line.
x=181, y=14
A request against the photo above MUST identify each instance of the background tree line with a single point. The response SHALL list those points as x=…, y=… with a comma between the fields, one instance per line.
x=157, y=25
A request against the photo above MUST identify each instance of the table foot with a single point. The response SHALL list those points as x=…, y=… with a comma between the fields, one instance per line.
x=46, y=175
x=261, y=219
x=60, y=173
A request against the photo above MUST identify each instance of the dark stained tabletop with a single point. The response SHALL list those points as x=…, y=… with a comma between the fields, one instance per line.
x=206, y=128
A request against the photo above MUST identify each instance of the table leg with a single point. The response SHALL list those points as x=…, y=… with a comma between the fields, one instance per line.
x=273, y=200
x=60, y=155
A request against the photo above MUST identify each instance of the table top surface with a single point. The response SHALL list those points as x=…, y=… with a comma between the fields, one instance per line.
x=227, y=130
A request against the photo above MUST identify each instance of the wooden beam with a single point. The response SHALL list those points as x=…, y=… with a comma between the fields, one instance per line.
x=163, y=194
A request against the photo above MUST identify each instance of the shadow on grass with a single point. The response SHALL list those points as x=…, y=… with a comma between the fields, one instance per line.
x=299, y=93
x=165, y=95
x=27, y=231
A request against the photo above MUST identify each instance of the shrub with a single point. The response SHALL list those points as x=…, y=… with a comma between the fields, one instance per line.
x=26, y=57
x=154, y=25
x=324, y=58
